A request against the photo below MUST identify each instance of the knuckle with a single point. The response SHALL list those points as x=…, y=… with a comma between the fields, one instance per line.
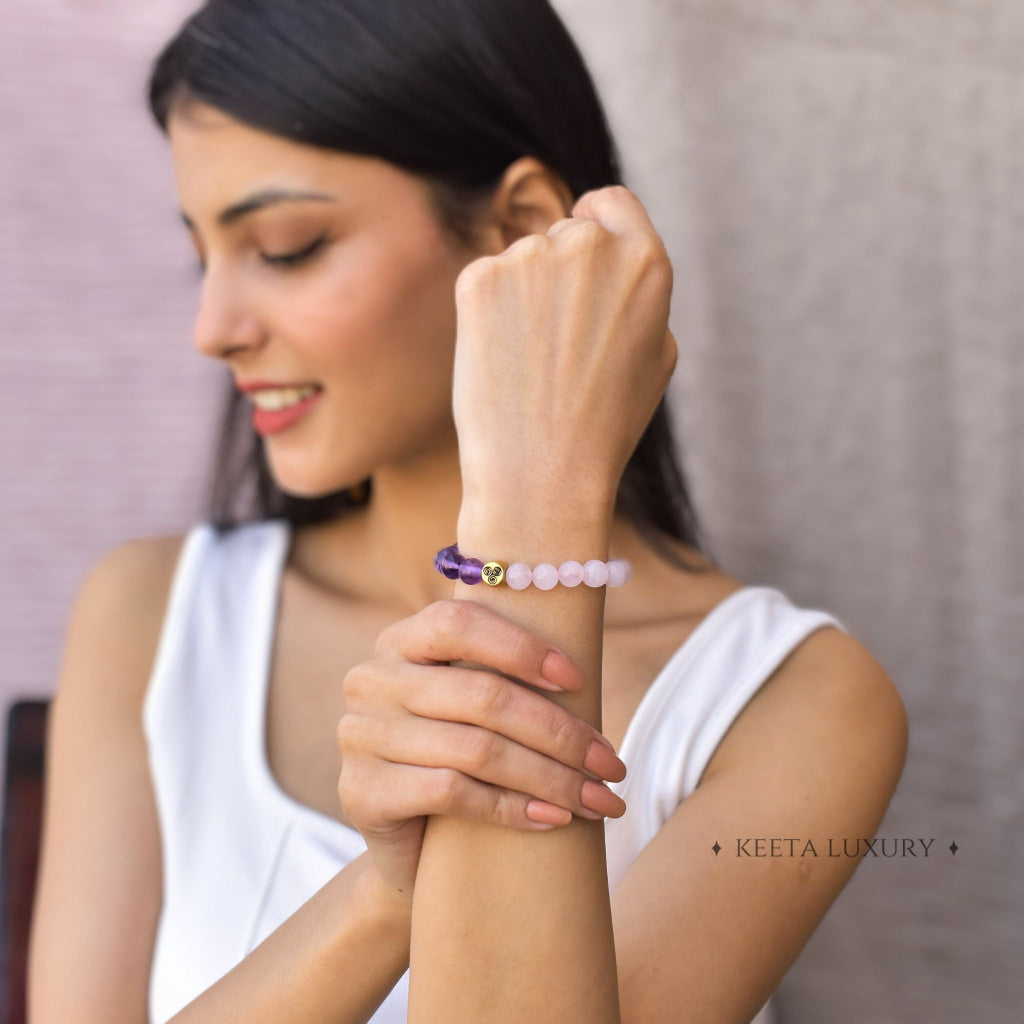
x=452, y=617
x=671, y=357
x=566, y=735
x=527, y=247
x=644, y=250
x=509, y=808
x=474, y=274
x=349, y=796
x=469, y=277
x=661, y=272
x=487, y=696
x=523, y=652
x=351, y=733
x=351, y=684
x=585, y=233
x=446, y=790
x=479, y=750
x=384, y=639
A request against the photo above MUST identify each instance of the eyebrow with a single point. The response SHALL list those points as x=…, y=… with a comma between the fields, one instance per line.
x=259, y=200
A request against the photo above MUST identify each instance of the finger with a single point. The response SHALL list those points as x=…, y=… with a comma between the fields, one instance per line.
x=455, y=630
x=502, y=706
x=616, y=208
x=489, y=757
x=561, y=225
x=418, y=790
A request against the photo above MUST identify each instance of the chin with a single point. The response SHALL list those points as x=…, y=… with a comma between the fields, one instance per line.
x=308, y=485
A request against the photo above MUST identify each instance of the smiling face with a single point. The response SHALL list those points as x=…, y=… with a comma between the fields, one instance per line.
x=324, y=268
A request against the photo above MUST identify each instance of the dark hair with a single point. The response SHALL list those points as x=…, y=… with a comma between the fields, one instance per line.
x=451, y=90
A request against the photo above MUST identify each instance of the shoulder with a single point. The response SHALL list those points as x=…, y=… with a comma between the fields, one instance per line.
x=830, y=693
x=120, y=606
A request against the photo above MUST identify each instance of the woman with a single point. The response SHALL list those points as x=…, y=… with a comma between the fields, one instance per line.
x=296, y=773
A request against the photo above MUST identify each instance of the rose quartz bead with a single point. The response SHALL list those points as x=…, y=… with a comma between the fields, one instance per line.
x=518, y=576
x=545, y=576
x=595, y=573
x=618, y=572
x=570, y=574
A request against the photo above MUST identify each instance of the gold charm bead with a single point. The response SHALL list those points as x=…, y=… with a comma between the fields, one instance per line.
x=492, y=573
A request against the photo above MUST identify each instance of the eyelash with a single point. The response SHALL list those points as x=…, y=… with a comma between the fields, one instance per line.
x=285, y=260
x=292, y=259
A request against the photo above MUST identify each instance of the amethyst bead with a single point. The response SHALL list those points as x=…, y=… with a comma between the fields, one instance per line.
x=450, y=563
x=469, y=570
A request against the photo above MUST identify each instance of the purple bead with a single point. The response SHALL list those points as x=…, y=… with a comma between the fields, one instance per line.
x=450, y=565
x=439, y=557
x=469, y=570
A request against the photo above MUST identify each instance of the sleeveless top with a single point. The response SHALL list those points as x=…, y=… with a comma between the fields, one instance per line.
x=240, y=855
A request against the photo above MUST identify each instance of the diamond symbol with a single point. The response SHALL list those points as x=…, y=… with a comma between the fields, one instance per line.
x=954, y=847
x=716, y=847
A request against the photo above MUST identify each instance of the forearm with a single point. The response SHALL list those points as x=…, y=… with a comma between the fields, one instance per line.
x=512, y=925
x=334, y=960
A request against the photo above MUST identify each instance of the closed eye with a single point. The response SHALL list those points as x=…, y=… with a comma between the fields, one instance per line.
x=290, y=259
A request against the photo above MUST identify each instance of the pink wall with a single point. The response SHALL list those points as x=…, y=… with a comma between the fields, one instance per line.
x=105, y=409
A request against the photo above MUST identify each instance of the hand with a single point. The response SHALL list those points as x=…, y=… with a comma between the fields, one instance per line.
x=422, y=737
x=563, y=352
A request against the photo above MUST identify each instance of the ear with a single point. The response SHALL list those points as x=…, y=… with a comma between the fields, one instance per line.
x=528, y=200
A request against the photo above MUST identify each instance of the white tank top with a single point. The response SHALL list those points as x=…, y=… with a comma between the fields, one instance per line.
x=240, y=855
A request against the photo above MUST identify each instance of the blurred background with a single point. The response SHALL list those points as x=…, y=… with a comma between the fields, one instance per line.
x=841, y=188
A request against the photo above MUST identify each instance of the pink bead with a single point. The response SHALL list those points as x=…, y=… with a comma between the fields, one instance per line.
x=545, y=576
x=595, y=573
x=570, y=574
x=618, y=572
x=518, y=576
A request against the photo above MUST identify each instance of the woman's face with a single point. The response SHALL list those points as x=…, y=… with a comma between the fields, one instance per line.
x=364, y=305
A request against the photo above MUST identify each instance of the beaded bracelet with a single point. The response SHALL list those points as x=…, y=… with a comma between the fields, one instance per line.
x=519, y=575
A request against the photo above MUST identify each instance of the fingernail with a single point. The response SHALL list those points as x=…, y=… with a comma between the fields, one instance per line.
x=559, y=670
x=548, y=814
x=601, y=799
x=602, y=762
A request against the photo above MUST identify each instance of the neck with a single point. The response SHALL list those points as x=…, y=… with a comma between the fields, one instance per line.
x=384, y=553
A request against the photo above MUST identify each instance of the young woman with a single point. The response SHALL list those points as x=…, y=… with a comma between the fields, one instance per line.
x=298, y=774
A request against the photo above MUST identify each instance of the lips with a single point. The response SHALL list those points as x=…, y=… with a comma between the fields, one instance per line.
x=265, y=421
x=264, y=385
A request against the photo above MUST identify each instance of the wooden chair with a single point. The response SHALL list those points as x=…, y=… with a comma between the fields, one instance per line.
x=19, y=848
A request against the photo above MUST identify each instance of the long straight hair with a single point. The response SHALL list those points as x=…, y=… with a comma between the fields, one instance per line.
x=451, y=90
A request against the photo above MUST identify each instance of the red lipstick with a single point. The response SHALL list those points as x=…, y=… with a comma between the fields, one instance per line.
x=273, y=421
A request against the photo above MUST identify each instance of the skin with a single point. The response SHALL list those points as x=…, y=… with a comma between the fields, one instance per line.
x=372, y=318
x=377, y=317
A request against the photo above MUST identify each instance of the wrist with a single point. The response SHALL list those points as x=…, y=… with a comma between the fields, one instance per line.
x=508, y=525
x=379, y=901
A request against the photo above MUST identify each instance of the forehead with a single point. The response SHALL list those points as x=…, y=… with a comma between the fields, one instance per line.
x=219, y=160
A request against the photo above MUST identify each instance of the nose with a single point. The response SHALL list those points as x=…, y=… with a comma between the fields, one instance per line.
x=225, y=320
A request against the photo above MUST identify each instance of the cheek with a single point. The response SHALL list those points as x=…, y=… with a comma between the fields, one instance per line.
x=388, y=308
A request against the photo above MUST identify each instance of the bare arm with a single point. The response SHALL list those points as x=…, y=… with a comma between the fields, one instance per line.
x=334, y=960
x=509, y=925
x=99, y=891
x=562, y=354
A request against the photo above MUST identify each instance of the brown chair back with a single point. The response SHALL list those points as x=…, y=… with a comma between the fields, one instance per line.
x=19, y=848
